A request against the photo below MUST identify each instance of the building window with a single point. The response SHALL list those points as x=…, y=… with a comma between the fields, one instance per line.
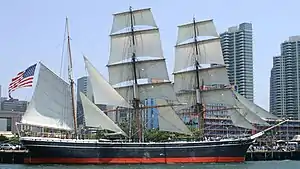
x=8, y=127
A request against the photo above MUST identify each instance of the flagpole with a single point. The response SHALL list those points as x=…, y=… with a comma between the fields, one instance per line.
x=9, y=95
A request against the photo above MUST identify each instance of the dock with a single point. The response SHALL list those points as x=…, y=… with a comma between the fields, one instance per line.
x=12, y=156
x=272, y=155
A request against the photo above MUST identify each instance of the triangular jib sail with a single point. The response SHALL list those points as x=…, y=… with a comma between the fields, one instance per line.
x=94, y=117
x=255, y=108
x=103, y=92
x=169, y=121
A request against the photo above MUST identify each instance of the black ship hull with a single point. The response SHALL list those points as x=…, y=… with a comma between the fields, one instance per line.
x=67, y=151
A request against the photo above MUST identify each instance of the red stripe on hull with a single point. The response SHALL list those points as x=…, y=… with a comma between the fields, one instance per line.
x=132, y=160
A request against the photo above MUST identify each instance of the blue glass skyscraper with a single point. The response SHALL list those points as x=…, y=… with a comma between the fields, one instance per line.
x=151, y=115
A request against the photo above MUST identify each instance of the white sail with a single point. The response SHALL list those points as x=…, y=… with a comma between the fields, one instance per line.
x=209, y=52
x=94, y=117
x=150, y=66
x=147, y=44
x=169, y=121
x=255, y=108
x=187, y=97
x=104, y=93
x=145, y=69
x=186, y=80
x=51, y=103
x=158, y=90
x=142, y=17
x=219, y=96
x=203, y=28
x=250, y=116
x=239, y=120
x=239, y=116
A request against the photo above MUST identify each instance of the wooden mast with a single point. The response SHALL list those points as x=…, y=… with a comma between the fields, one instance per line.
x=135, y=85
x=199, y=106
x=71, y=79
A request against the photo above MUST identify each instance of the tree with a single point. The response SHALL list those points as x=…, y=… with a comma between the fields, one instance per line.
x=3, y=138
x=155, y=135
x=14, y=140
x=100, y=134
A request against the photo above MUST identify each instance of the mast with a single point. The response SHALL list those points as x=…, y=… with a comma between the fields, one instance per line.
x=71, y=79
x=135, y=85
x=199, y=107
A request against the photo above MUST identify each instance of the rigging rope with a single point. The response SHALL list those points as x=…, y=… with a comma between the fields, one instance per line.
x=62, y=53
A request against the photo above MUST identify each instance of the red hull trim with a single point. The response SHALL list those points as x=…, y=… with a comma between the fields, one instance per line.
x=133, y=160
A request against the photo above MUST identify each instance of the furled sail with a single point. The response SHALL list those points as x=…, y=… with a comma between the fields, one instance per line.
x=104, y=93
x=151, y=71
x=168, y=120
x=51, y=103
x=94, y=117
x=255, y=108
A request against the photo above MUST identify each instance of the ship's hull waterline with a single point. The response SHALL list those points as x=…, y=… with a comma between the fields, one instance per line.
x=64, y=151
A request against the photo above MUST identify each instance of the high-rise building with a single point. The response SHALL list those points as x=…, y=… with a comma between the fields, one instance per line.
x=276, y=82
x=84, y=86
x=13, y=105
x=0, y=97
x=285, y=80
x=237, y=50
x=151, y=115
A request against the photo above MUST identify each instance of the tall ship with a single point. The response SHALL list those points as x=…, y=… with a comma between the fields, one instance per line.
x=137, y=71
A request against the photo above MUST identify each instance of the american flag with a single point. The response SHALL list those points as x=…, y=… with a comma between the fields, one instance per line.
x=23, y=79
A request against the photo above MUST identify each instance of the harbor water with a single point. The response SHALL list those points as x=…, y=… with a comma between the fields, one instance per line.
x=287, y=164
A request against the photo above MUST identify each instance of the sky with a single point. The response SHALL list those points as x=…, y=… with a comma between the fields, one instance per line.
x=33, y=30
